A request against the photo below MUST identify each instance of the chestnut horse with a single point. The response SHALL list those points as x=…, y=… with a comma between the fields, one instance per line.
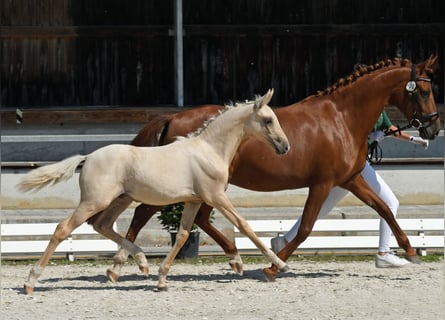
x=328, y=133
x=192, y=170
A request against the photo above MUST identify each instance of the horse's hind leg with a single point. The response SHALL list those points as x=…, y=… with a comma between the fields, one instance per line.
x=202, y=220
x=63, y=230
x=142, y=214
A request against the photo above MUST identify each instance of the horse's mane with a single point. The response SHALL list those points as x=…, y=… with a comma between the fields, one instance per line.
x=359, y=71
x=206, y=123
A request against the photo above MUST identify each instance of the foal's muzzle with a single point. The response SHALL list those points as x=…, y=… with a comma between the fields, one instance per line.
x=281, y=146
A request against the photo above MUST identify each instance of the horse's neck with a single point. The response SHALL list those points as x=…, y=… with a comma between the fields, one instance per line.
x=364, y=100
x=226, y=131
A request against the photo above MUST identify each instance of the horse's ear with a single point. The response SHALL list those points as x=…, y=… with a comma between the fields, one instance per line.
x=264, y=100
x=434, y=63
x=430, y=65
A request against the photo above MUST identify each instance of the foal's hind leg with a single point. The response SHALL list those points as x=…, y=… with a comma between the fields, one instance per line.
x=142, y=214
x=63, y=230
x=104, y=225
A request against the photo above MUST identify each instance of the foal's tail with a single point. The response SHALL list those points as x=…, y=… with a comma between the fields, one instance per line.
x=153, y=133
x=50, y=174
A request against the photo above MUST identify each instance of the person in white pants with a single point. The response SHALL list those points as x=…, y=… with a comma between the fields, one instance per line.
x=385, y=257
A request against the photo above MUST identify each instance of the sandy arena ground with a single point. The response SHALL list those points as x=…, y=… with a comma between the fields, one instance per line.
x=310, y=290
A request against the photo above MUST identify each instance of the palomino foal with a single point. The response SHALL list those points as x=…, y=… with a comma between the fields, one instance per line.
x=192, y=170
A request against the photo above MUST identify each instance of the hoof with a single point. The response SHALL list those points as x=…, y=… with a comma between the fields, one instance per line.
x=161, y=289
x=112, y=276
x=144, y=270
x=269, y=274
x=413, y=259
x=237, y=267
x=285, y=268
x=28, y=289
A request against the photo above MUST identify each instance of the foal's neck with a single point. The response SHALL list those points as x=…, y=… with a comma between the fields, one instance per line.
x=227, y=130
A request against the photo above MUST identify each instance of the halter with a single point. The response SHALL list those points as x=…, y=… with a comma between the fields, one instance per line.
x=417, y=121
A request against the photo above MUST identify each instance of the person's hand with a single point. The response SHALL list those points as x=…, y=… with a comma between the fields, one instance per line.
x=376, y=136
x=418, y=140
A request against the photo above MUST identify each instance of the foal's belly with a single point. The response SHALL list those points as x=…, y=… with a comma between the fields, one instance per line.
x=161, y=196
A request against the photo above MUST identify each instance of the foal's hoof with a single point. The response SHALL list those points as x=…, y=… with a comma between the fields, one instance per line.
x=112, y=276
x=161, y=289
x=28, y=289
x=270, y=274
x=144, y=270
x=285, y=268
x=413, y=259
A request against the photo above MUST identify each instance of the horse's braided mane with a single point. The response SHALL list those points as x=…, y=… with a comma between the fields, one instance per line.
x=359, y=71
x=227, y=107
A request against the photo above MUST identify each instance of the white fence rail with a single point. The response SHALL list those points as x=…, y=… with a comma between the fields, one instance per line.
x=349, y=233
x=22, y=238
x=68, y=138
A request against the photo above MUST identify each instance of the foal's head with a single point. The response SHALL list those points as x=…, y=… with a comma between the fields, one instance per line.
x=263, y=124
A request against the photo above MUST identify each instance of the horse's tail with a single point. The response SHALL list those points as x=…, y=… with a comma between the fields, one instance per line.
x=153, y=133
x=50, y=174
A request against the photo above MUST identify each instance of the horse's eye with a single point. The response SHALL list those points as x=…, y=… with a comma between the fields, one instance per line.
x=425, y=94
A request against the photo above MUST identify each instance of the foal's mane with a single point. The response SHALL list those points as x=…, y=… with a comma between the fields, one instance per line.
x=359, y=71
x=226, y=108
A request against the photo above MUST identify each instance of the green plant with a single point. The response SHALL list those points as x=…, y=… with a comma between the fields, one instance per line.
x=170, y=217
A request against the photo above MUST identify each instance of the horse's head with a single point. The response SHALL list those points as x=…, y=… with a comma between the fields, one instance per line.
x=416, y=100
x=263, y=124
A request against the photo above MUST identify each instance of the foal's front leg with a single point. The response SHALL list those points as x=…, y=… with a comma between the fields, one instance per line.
x=223, y=204
x=188, y=216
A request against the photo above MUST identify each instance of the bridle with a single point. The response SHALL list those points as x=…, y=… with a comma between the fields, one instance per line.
x=418, y=120
x=374, y=150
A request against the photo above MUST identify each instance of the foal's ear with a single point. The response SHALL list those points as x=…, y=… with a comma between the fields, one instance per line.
x=264, y=100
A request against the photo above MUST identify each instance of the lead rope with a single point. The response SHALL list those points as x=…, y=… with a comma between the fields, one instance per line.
x=374, y=153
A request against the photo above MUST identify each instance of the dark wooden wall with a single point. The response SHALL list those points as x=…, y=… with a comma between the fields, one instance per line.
x=88, y=53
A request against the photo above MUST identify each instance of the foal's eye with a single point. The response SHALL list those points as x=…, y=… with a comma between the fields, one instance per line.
x=268, y=121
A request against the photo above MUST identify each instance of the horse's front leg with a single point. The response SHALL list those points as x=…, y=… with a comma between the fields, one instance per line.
x=222, y=203
x=187, y=218
x=360, y=188
x=142, y=214
x=316, y=197
x=202, y=220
